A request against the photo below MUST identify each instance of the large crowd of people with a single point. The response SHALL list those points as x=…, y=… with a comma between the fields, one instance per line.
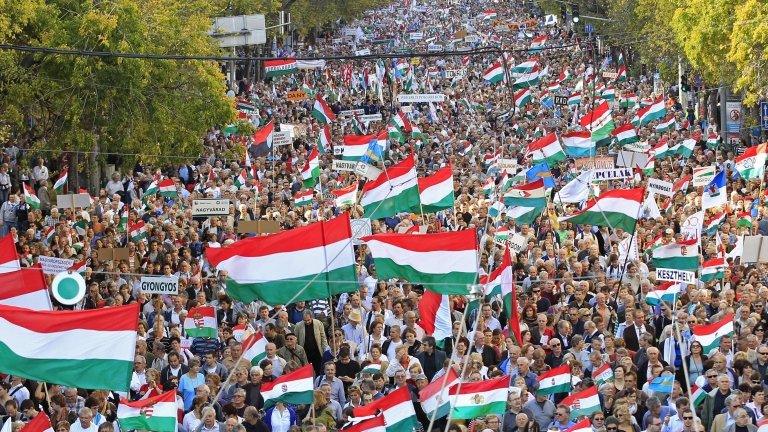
x=582, y=296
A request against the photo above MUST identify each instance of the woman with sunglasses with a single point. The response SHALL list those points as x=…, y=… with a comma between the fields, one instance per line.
x=696, y=357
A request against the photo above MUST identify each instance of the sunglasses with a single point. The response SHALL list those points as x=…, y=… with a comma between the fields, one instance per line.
x=611, y=428
x=687, y=418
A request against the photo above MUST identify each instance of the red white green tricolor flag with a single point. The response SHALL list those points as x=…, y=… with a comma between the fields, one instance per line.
x=602, y=375
x=546, y=149
x=293, y=388
x=396, y=408
x=346, y=196
x=167, y=188
x=709, y=334
x=321, y=111
x=436, y=191
x=583, y=403
x=30, y=198
x=58, y=346
x=280, y=67
x=310, y=173
x=271, y=267
x=494, y=73
x=712, y=269
x=599, y=122
x=138, y=231
x=201, y=322
x=620, y=207
x=582, y=426
x=444, y=262
x=625, y=134
x=681, y=256
x=156, y=414
x=436, y=396
x=475, y=399
x=698, y=394
x=61, y=181
x=255, y=348
x=556, y=380
x=751, y=163
x=435, y=315
x=394, y=191
x=324, y=140
x=303, y=197
x=373, y=424
x=665, y=292
x=41, y=423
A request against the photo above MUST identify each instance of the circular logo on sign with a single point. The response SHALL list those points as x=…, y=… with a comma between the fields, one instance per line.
x=68, y=288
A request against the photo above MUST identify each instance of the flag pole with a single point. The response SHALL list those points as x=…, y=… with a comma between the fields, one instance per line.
x=679, y=340
x=631, y=239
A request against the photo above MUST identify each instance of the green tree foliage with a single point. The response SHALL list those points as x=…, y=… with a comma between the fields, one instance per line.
x=749, y=49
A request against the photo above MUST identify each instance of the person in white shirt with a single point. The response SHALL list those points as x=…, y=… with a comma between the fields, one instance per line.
x=40, y=172
x=139, y=376
x=84, y=421
x=17, y=391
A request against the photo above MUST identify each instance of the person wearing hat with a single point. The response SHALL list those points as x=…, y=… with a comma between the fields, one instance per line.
x=353, y=330
x=292, y=351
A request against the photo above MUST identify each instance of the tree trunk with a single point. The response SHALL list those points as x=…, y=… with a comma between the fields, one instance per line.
x=94, y=179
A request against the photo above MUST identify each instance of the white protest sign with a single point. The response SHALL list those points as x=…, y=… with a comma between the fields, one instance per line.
x=160, y=284
x=661, y=187
x=631, y=159
x=370, y=118
x=53, y=265
x=416, y=36
x=360, y=228
x=210, y=207
x=421, y=97
x=691, y=226
x=281, y=139
x=287, y=127
x=350, y=112
x=637, y=147
x=703, y=176
x=363, y=52
x=673, y=275
x=611, y=174
x=517, y=242
x=407, y=109
x=472, y=39
x=342, y=165
x=508, y=165
x=434, y=48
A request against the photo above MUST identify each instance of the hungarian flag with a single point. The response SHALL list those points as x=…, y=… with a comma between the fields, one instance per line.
x=151, y=190
x=555, y=380
x=476, y=399
x=79, y=266
x=303, y=198
x=494, y=73
x=279, y=67
x=400, y=120
x=602, y=375
x=263, y=136
x=294, y=388
x=396, y=408
x=167, y=188
x=310, y=173
x=394, y=191
x=709, y=334
x=522, y=97
x=321, y=111
x=619, y=207
x=241, y=179
x=621, y=73
x=665, y=292
x=546, y=149
x=268, y=267
x=346, y=196
x=436, y=191
x=436, y=395
x=751, y=163
x=255, y=348
x=655, y=111
x=530, y=194
x=156, y=414
x=712, y=224
x=525, y=67
x=599, y=122
x=666, y=124
x=574, y=99
x=625, y=134
x=578, y=144
x=373, y=424
x=324, y=140
x=538, y=42
x=444, y=262
x=500, y=282
x=583, y=403
x=712, y=269
x=61, y=181
x=138, y=231
x=30, y=198
x=435, y=315
x=201, y=322
x=21, y=288
x=583, y=426
x=57, y=347
x=529, y=79
x=41, y=423
x=679, y=256
x=698, y=394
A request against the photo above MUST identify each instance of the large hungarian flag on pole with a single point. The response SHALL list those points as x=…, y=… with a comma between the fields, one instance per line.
x=709, y=334
x=444, y=262
x=304, y=263
x=21, y=288
x=255, y=348
x=435, y=315
x=201, y=322
x=61, y=181
x=156, y=414
x=394, y=191
x=475, y=399
x=321, y=111
x=618, y=208
x=679, y=256
x=396, y=408
x=556, y=380
x=435, y=397
x=436, y=191
x=29, y=196
x=373, y=424
x=91, y=349
x=751, y=163
x=292, y=388
x=583, y=403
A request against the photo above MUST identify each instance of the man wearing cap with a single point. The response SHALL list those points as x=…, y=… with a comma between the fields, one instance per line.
x=353, y=330
x=292, y=351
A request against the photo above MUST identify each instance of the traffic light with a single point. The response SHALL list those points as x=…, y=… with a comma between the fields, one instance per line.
x=563, y=12
x=575, y=13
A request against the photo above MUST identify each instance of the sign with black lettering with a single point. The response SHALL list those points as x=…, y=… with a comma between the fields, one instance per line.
x=673, y=275
x=611, y=174
x=561, y=100
x=160, y=284
x=661, y=187
x=210, y=207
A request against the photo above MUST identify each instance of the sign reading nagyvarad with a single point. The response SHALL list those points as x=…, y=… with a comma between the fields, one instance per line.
x=160, y=284
x=210, y=207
